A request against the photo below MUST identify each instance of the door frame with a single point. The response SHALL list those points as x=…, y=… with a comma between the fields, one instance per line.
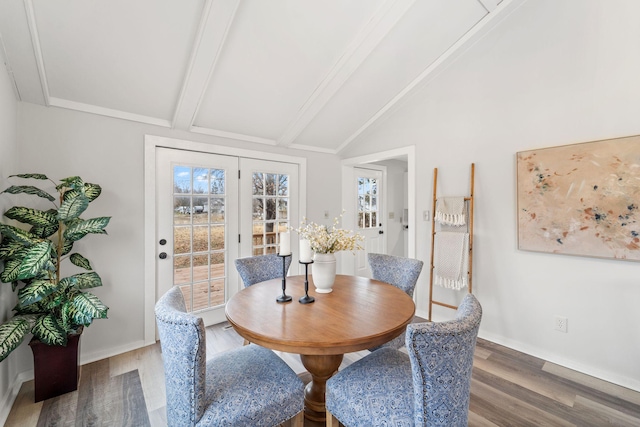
x=348, y=194
x=151, y=143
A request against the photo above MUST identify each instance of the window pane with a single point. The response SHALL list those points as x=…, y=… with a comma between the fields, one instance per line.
x=216, y=208
x=200, y=181
x=200, y=296
x=217, y=265
x=270, y=184
x=283, y=186
x=258, y=184
x=200, y=212
x=181, y=240
x=271, y=208
x=181, y=179
x=258, y=208
x=200, y=267
x=200, y=238
x=217, y=292
x=283, y=208
x=181, y=269
x=374, y=219
x=181, y=206
x=217, y=181
x=217, y=237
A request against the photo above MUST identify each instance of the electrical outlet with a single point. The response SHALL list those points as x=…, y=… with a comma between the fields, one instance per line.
x=425, y=216
x=561, y=324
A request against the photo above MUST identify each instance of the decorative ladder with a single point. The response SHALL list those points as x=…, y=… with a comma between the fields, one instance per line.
x=469, y=229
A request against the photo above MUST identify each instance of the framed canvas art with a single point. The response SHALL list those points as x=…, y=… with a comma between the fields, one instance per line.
x=581, y=199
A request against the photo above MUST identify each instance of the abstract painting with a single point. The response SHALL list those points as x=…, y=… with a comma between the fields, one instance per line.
x=581, y=199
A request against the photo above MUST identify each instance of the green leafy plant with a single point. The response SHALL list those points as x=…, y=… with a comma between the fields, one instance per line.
x=49, y=306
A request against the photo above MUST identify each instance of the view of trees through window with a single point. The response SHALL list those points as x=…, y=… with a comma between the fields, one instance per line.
x=367, y=202
x=270, y=210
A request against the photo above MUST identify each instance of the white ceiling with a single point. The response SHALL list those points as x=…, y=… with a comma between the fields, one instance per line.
x=306, y=74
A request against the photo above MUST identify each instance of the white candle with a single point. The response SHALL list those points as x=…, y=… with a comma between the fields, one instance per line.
x=305, y=250
x=285, y=243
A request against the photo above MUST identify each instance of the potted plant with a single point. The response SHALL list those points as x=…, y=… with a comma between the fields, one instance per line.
x=51, y=307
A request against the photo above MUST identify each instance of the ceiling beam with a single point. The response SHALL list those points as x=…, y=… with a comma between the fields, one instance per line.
x=383, y=21
x=216, y=20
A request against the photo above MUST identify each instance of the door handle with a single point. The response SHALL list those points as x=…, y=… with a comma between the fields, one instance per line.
x=380, y=232
x=162, y=255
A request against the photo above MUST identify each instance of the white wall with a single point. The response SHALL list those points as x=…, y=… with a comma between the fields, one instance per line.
x=109, y=152
x=10, y=368
x=553, y=73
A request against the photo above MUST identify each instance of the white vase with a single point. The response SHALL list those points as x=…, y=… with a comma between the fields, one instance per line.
x=323, y=272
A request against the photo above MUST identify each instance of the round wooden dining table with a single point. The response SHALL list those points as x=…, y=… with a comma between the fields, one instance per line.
x=358, y=314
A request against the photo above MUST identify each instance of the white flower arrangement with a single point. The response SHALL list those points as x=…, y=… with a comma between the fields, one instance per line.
x=325, y=240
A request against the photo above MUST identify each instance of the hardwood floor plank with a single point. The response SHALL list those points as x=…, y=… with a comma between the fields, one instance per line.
x=593, y=383
x=94, y=393
x=525, y=374
x=476, y=420
x=505, y=409
x=133, y=410
x=517, y=391
x=59, y=411
x=601, y=414
x=24, y=412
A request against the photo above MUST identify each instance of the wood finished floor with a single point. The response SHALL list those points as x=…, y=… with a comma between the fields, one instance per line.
x=508, y=388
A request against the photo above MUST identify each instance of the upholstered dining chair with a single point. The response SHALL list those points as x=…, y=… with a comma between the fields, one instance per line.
x=402, y=273
x=247, y=386
x=428, y=387
x=259, y=268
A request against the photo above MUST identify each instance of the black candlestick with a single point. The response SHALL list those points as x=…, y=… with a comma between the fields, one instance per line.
x=284, y=297
x=306, y=299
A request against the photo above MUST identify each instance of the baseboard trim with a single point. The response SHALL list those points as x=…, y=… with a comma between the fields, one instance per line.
x=105, y=354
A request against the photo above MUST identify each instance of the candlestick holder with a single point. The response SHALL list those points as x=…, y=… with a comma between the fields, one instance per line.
x=306, y=299
x=284, y=297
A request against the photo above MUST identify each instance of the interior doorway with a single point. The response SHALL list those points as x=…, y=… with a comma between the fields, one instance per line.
x=403, y=220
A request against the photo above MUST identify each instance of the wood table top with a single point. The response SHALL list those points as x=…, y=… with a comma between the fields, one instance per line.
x=360, y=313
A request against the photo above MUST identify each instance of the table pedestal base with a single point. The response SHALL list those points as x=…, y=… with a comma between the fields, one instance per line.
x=321, y=368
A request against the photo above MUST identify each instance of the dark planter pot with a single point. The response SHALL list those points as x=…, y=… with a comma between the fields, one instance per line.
x=56, y=369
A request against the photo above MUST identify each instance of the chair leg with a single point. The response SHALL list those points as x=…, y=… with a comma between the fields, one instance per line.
x=246, y=342
x=298, y=420
x=332, y=421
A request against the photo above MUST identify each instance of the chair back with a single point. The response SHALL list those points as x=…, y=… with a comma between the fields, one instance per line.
x=441, y=357
x=259, y=268
x=182, y=339
x=401, y=272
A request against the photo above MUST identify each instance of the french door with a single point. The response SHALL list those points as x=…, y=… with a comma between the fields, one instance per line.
x=268, y=203
x=197, y=228
x=369, y=216
x=212, y=209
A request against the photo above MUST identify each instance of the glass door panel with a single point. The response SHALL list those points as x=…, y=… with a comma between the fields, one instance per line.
x=203, y=189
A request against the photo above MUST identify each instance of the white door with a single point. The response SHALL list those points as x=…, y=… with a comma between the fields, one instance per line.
x=197, y=228
x=369, y=216
x=268, y=206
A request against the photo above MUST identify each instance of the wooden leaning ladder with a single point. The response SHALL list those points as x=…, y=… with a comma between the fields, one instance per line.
x=468, y=200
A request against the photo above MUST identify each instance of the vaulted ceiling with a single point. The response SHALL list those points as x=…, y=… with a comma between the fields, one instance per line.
x=306, y=74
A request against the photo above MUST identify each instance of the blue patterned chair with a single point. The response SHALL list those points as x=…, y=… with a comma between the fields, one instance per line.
x=402, y=273
x=248, y=386
x=428, y=387
x=259, y=268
